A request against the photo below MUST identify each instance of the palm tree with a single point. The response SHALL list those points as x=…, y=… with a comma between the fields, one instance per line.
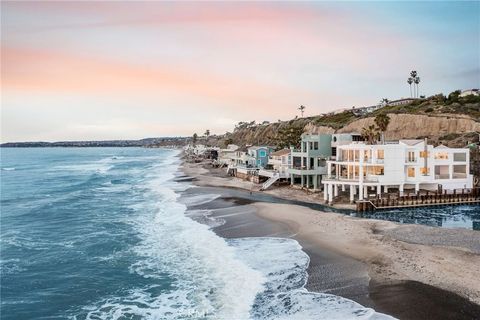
x=194, y=138
x=413, y=74
x=370, y=133
x=207, y=134
x=417, y=81
x=384, y=101
x=382, y=120
x=410, y=81
x=301, y=108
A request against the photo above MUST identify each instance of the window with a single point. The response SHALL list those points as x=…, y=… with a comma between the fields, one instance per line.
x=350, y=155
x=380, y=154
x=377, y=170
x=459, y=171
x=321, y=162
x=441, y=156
x=262, y=153
x=367, y=155
x=334, y=152
x=424, y=154
x=315, y=145
x=411, y=156
x=411, y=172
x=460, y=156
x=441, y=172
x=356, y=155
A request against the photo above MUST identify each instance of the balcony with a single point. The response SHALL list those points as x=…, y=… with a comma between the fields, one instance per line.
x=346, y=179
x=298, y=170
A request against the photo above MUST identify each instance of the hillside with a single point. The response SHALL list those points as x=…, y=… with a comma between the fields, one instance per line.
x=452, y=120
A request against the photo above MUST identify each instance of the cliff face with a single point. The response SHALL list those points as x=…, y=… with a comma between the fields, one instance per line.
x=453, y=125
x=408, y=126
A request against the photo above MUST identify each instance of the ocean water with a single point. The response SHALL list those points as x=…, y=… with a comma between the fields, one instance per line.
x=100, y=233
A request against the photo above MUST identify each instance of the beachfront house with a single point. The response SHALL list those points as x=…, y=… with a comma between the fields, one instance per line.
x=227, y=156
x=413, y=164
x=260, y=154
x=277, y=167
x=308, y=164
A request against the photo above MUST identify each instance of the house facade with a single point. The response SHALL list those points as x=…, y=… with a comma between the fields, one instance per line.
x=278, y=163
x=468, y=92
x=260, y=154
x=308, y=164
x=413, y=164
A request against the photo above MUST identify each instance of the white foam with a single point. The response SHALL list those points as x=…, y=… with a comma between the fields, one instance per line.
x=214, y=278
x=8, y=169
x=284, y=265
x=210, y=279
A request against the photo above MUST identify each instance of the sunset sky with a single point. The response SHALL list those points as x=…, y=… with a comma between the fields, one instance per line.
x=129, y=70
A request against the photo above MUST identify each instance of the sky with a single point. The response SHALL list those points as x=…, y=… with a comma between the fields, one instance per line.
x=129, y=70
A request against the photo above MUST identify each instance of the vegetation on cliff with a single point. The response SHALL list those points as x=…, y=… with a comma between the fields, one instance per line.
x=445, y=112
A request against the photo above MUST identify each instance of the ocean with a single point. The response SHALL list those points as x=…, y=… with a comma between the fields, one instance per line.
x=101, y=233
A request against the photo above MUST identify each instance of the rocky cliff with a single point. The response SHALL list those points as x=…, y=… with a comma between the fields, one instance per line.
x=453, y=130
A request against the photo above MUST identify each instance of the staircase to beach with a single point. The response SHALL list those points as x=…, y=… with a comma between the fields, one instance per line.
x=270, y=181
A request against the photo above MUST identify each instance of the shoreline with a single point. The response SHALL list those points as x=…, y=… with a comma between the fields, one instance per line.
x=384, y=265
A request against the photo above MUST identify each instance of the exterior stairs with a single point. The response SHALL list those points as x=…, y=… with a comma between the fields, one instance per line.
x=270, y=181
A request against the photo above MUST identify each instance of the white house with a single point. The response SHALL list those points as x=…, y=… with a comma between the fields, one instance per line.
x=227, y=156
x=475, y=92
x=278, y=162
x=404, y=164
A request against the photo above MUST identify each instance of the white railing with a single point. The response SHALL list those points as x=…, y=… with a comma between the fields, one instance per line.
x=271, y=181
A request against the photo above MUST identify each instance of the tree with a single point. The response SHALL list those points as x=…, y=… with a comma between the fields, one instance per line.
x=302, y=109
x=382, y=120
x=207, y=134
x=384, y=101
x=228, y=141
x=410, y=81
x=370, y=134
x=194, y=138
x=288, y=136
x=413, y=74
x=417, y=81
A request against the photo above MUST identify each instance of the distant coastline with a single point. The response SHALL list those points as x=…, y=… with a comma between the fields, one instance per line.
x=147, y=142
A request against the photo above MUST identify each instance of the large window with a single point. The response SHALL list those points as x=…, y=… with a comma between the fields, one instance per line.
x=424, y=154
x=380, y=154
x=356, y=155
x=441, y=156
x=441, y=172
x=460, y=156
x=459, y=171
x=367, y=155
x=262, y=153
x=411, y=172
x=375, y=170
x=315, y=145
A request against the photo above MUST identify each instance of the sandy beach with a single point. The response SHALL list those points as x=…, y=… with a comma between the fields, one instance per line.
x=407, y=271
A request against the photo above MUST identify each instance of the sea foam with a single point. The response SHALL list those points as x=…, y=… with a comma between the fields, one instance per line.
x=214, y=278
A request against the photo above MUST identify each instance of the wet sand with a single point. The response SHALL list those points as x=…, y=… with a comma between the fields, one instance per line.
x=336, y=270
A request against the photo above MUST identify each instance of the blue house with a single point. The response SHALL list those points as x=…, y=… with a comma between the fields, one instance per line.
x=260, y=155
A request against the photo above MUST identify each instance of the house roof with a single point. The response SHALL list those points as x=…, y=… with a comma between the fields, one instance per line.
x=280, y=153
x=411, y=142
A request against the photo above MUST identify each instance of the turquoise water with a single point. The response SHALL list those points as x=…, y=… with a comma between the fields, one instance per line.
x=100, y=233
